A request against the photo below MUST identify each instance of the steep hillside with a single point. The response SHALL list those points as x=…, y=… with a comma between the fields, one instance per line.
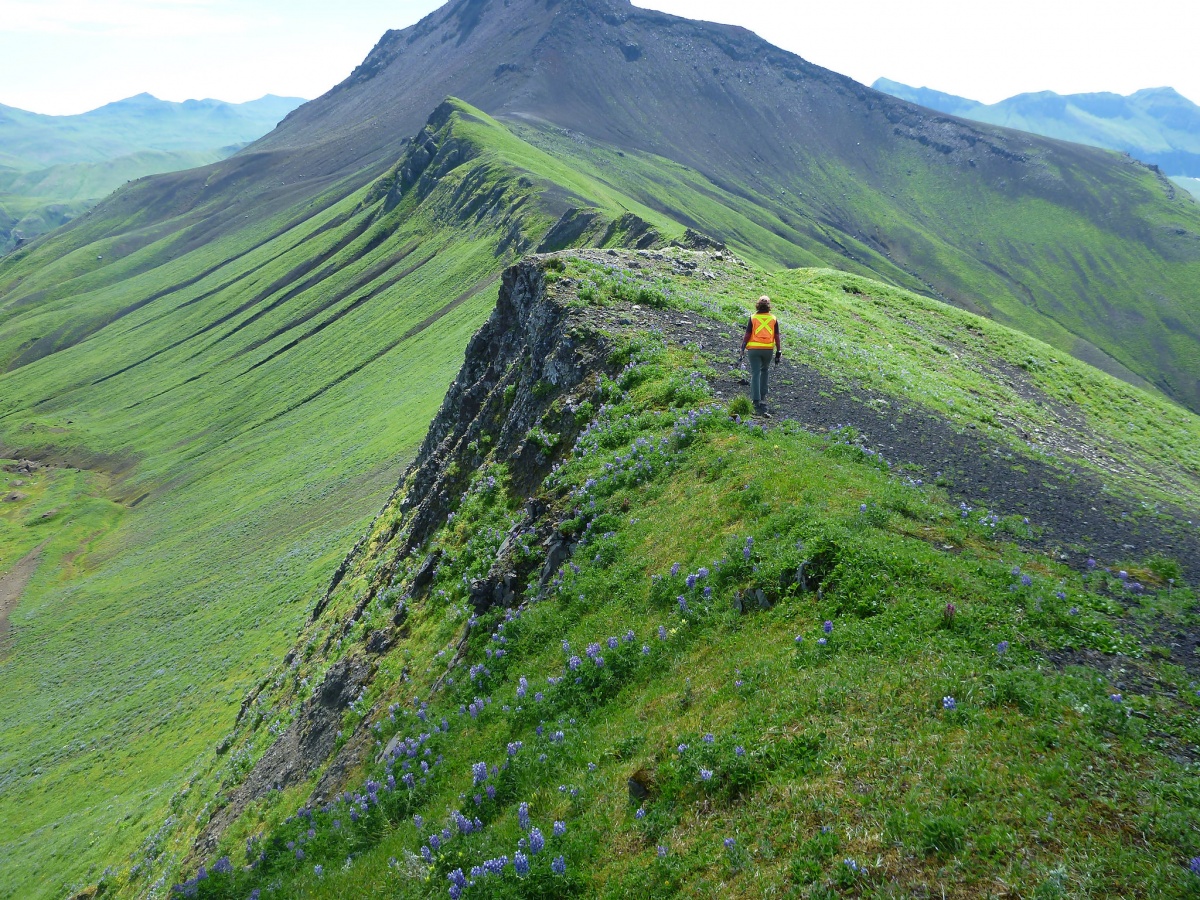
x=1157, y=125
x=53, y=168
x=237, y=429
x=1092, y=252
x=608, y=639
x=222, y=370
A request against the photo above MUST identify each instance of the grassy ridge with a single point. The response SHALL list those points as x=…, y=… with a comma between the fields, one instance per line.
x=1044, y=269
x=249, y=483
x=904, y=717
x=251, y=418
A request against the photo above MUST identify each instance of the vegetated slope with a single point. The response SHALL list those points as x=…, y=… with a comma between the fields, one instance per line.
x=608, y=639
x=52, y=168
x=1156, y=125
x=218, y=341
x=247, y=409
x=1094, y=253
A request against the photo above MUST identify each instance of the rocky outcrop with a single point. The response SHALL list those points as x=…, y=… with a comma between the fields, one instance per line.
x=302, y=748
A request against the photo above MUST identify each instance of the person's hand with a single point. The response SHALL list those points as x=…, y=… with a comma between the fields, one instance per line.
x=778, y=356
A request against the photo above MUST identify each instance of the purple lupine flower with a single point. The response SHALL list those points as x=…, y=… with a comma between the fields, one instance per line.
x=949, y=703
x=827, y=627
x=479, y=773
x=674, y=570
x=299, y=854
x=599, y=661
x=574, y=662
x=706, y=774
x=709, y=738
x=1194, y=865
x=1115, y=698
x=739, y=751
x=822, y=641
x=515, y=747
x=560, y=828
x=640, y=814
x=435, y=841
x=662, y=632
x=1002, y=647
x=559, y=866
x=319, y=870
x=703, y=573
x=662, y=851
x=645, y=649
x=521, y=864
x=730, y=843
x=690, y=581
x=491, y=792
x=613, y=643
x=682, y=603
x=537, y=842
x=523, y=816
x=1091, y=563
x=682, y=747
x=1026, y=580
x=708, y=591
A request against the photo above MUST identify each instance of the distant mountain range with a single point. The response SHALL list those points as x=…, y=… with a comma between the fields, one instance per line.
x=52, y=168
x=1158, y=126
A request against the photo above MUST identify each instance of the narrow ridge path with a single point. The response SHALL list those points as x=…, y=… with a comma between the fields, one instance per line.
x=1076, y=516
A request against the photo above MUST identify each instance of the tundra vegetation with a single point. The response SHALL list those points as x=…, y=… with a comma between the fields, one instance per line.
x=777, y=663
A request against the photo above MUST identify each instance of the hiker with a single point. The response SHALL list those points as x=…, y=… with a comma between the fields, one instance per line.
x=762, y=335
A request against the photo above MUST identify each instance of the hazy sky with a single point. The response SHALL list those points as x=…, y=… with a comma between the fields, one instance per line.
x=67, y=56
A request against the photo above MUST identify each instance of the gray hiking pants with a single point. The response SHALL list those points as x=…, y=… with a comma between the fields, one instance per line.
x=760, y=365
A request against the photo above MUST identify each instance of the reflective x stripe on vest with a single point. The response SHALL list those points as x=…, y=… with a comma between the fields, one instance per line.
x=762, y=331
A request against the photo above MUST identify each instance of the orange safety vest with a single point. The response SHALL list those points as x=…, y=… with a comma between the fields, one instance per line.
x=762, y=332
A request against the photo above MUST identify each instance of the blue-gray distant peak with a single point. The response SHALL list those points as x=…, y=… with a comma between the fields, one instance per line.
x=1157, y=125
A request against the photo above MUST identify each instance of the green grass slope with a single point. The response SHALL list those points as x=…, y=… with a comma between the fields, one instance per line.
x=1043, y=269
x=243, y=383
x=775, y=664
x=69, y=163
x=246, y=424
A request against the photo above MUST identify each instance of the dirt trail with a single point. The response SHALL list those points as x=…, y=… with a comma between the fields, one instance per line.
x=1071, y=508
x=12, y=585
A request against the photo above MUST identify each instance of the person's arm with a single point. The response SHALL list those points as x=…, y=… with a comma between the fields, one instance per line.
x=749, y=331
